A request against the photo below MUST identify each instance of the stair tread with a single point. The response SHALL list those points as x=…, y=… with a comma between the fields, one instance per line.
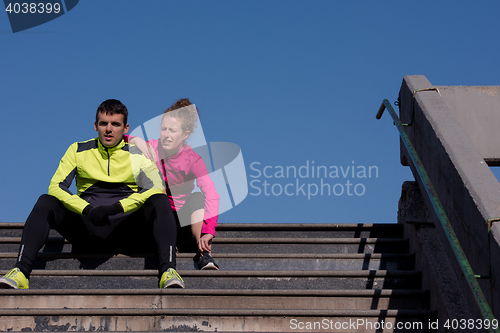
x=264, y=240
x=221, y=273
x=223, y=292
x=225, y=255
x=270, y=226
x=213, y=312
x=272, y=295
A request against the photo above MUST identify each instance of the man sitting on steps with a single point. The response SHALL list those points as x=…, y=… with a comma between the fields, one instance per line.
x=120, y=202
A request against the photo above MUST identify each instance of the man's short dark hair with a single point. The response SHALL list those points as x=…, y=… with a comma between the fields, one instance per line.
x=112, y=106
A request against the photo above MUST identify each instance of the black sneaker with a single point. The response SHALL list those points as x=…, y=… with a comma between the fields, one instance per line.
x=207, y=262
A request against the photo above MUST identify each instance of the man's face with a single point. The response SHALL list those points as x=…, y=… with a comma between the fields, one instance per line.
x=110, y=129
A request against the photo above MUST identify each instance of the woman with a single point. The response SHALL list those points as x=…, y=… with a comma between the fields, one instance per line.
x=180, y=167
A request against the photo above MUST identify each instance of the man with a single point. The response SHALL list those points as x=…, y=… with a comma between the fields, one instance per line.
x=120, y=202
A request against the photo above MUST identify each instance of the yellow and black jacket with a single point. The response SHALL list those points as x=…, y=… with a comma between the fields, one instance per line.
x=105, y=176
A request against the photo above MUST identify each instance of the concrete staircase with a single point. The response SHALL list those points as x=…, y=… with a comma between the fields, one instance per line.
x=273, y=278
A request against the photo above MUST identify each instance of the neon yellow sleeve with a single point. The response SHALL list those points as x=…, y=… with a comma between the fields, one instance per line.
x=62, y=179
x=148, y=180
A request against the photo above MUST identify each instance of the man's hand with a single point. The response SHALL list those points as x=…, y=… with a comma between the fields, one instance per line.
x=99, y=215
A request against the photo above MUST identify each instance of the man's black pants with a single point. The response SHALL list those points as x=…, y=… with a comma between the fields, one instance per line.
x=154, y=221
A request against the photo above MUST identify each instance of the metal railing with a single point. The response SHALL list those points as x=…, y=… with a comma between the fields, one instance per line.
x=443, y=218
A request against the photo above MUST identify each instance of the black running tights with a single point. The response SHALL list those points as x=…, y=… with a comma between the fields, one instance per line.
x=154, y=221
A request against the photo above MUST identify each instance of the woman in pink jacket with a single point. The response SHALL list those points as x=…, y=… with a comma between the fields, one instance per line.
x=180, y=167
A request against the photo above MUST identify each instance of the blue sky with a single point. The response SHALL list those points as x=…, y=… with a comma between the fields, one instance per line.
x=289, y=82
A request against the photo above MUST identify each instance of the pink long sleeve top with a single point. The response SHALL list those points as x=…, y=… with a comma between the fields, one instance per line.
x=179, y=172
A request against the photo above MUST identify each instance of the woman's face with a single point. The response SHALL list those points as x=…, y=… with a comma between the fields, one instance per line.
x=172, y=137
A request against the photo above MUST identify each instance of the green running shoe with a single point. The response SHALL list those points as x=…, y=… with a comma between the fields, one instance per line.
x=171, y=279
x=14, y=279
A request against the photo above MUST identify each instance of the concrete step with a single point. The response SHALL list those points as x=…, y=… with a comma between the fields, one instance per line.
x=275, y=230
x=147, y=279
x=260, y=245
x=216, y=320
x=273, y=278
x=382, y=230
x=226, y=261
x=206, y=298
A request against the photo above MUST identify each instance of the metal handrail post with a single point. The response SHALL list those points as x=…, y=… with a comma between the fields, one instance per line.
x=443, y=218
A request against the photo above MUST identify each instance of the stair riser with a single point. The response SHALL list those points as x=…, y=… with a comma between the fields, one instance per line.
x=330, y=283
x=387, y=233
x=386, y=247
x=229, y=263
x=213, y=323
x=378, y=231
x=249, y=294
x=208, y=302
x=397, y=247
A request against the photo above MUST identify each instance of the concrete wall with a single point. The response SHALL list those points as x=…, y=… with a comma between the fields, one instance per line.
x=438, y=275
x=477, y=110
x=468, y=190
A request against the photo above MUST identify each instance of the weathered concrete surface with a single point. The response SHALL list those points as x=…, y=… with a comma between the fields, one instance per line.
x=438, y=275
x=225, y=299
x=370, y=279
x=468, y=190
x=293, y=322
x=477, y=110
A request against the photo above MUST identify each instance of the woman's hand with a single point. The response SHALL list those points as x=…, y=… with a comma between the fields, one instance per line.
x=205, y=243
x=144, y=147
